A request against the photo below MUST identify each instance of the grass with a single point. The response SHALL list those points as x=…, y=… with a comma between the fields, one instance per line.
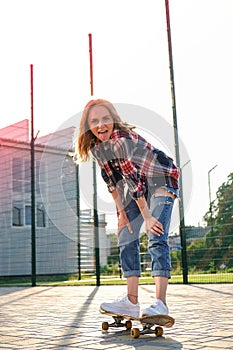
x=91, y=281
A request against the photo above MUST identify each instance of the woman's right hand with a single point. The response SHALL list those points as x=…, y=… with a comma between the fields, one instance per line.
x=122, y=222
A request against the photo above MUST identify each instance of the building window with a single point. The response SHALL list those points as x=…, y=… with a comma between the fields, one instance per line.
x=17, y=216
x=28, y=215
x=40, y=217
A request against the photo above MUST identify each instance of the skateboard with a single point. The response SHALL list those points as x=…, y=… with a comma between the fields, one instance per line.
x=147, y=322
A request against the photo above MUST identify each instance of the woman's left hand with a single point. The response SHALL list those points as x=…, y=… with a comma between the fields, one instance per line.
x=153, y=225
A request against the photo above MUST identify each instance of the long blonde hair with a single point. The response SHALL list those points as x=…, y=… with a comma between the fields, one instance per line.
x=86, y=139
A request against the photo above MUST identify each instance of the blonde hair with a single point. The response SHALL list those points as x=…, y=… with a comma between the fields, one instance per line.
x=86, y=139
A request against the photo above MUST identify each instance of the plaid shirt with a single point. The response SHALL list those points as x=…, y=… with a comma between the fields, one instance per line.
x=128, y=158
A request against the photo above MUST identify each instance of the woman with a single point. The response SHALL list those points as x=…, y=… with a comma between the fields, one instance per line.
x=127, y=160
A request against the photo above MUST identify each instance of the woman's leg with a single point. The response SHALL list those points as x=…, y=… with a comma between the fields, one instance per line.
x=129, y=245
x=161, y=284
x=158, y=247
x=161, y=208
x=132, y=289
x=130, y=251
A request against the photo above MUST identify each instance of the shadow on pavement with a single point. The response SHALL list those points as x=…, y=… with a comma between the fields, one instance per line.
x=211, y=289
x=80, y=316
x=11, y=290
x=146, y=342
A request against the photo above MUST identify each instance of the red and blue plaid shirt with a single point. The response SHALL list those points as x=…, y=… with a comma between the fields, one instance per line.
x=128, y=158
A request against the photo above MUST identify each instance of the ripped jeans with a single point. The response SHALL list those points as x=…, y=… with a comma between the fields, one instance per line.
x=129, y=244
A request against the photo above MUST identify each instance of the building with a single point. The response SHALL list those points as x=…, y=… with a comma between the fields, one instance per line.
x=55, y=206
x=192, y=234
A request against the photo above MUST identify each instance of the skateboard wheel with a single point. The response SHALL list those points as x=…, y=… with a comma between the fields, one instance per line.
x=128, y=324
x=105, y=326
x=158, y=331
x=135, y=333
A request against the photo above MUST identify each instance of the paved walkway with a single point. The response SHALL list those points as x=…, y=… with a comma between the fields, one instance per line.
x=68, y=318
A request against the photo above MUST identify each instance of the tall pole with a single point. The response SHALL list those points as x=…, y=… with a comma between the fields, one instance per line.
x=78, y=216
x=91, y=63
x=96, y=219
x=210, y=200
x=181, y=202
x=33, y=212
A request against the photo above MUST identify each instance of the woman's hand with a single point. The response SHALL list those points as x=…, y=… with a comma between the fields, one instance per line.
x=122, y=217
x=151, y=223
x=122, y=222
x=154, y=226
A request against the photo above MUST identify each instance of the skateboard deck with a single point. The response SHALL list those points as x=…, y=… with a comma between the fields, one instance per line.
x=147, y=323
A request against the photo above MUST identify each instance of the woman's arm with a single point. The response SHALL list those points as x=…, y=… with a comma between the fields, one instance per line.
x=122, y=217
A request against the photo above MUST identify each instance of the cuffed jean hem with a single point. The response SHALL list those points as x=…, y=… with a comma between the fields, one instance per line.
x=161, y=273
x=135, y=273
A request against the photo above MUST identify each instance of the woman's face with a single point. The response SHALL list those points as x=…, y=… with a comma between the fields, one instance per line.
x=100, y=123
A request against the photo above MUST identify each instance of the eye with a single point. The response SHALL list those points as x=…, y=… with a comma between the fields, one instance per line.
x=94, y=121
x=107, y=119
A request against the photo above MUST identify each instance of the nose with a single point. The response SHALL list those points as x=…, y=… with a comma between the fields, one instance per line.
x=100, y=123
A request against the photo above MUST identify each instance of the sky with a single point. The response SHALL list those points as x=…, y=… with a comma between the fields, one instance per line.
x=131, y=66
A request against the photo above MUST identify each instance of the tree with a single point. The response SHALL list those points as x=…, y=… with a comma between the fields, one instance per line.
x=216, y=248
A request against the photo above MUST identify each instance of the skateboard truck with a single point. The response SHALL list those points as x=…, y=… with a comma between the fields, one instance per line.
x=117, y=323
x=136, y=332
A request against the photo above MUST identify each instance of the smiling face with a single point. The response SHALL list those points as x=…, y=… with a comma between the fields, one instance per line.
x=100, y=122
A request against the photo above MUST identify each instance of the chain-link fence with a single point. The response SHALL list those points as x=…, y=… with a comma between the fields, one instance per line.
x=65, y=242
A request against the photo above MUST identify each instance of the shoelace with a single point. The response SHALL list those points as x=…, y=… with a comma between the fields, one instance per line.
x=122, y=298
x=154, y=305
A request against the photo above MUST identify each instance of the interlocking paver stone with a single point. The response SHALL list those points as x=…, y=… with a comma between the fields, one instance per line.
x=39, y=318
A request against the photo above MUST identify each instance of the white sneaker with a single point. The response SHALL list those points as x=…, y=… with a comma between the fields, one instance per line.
x=159, y=308
x=122, y=306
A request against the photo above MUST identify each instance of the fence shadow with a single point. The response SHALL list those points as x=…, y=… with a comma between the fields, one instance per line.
x=211, y=289
x=81, y=313
x=11, y=290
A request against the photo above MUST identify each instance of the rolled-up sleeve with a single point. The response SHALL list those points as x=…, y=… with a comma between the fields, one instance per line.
x=110, y=184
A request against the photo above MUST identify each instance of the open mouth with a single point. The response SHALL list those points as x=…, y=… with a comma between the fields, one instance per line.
x=103, y=135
